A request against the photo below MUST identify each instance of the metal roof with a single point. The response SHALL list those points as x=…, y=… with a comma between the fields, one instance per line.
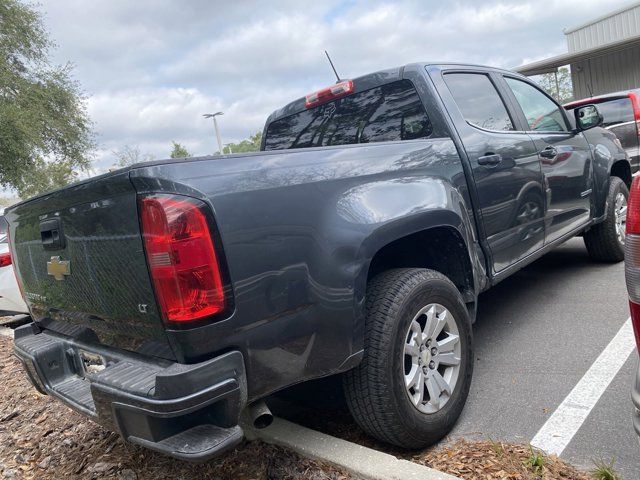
x=601, y=18
x=609, y=33
x=614, y=26
x=551, y=64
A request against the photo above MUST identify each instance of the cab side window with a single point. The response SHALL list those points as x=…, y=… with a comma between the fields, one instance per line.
x=478, y=101
x=541, y=112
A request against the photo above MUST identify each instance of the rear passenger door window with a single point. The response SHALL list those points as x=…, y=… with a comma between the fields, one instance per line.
x=479, y=101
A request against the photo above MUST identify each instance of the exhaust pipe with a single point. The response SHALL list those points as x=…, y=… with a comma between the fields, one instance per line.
x=260, y=415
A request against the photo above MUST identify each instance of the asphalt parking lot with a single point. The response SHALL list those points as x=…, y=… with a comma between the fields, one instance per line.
x=536, y=335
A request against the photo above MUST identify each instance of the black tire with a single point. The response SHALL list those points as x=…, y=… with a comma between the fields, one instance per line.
x=375, y=390
x=602, y=240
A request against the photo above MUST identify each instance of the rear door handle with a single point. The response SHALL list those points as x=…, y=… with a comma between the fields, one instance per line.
x=490, y=159
x=548, y=152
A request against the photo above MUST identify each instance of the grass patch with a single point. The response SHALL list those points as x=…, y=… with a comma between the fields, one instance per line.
x=605, y=470
x=536, y=460
x=497, y=447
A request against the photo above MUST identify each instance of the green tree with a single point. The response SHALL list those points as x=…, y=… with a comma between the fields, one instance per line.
x=561, y=91
x=129, y=155
x=45, y=133
x=179, y=151
x=252, y=144
x=49, y=175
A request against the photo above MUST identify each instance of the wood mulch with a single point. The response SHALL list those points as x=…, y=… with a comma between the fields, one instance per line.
x=41, y=438
x=497, y=460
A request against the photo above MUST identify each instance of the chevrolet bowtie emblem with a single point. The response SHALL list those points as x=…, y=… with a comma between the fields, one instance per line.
x=58, y=268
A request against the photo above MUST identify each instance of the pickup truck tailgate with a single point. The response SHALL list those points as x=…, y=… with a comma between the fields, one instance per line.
x=79, y=254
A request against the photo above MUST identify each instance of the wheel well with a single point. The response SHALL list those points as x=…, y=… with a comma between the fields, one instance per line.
x=440, y=248
x=622, y=170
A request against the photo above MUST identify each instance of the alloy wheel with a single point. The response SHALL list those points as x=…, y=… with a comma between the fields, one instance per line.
x=431, y=358
x=620, y=215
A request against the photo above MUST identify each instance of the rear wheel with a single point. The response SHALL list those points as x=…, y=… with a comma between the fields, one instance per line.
x=414, y=379
x=605, y=241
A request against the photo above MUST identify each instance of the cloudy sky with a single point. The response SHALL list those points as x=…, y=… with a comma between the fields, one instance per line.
x=150, y=69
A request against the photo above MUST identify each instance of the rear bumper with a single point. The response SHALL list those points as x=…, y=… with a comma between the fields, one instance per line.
x=189, y=412
x=635, y=397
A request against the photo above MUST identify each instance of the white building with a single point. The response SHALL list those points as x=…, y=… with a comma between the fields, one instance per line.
x=604, y=54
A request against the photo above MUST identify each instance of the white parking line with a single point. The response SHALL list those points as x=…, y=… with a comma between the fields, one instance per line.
x=563, y=424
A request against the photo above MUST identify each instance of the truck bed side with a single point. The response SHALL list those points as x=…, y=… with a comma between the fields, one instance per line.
x=300, y=229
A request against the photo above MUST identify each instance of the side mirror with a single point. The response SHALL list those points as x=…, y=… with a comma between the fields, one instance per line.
x=587, y=116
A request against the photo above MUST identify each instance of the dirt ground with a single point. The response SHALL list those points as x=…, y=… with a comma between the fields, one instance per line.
x=41, y=438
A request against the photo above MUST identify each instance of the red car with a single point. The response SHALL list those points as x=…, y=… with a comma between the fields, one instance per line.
x=621, y=115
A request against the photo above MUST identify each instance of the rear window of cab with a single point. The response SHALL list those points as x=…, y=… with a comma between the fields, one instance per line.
x=615, y=111
x=386, y=113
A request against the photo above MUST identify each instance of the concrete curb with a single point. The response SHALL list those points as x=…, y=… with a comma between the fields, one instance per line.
x=361, y=461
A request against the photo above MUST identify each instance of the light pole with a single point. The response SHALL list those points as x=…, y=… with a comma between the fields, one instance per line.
x=215, y=125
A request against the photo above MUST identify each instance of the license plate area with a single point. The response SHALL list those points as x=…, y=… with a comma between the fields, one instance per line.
x=91, y=362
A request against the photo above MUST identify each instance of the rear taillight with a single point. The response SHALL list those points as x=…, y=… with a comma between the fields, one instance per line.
x=325, y=95
x=635, y=101
x=5, y=259
x=182, y=258
x=632, y=256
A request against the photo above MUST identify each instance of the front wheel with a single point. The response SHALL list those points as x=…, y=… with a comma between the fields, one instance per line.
x=413, y=381
x=605, y=241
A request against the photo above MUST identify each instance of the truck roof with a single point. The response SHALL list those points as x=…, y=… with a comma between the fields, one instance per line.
x=374, y=79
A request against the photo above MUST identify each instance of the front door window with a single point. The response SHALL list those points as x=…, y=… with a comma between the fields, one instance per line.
x=542, y=113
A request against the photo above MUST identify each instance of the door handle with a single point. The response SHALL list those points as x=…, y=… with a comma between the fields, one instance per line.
x=490, y=159
x=548, y=152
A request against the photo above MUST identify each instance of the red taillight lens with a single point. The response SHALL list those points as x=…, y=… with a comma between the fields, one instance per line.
x=181, y=257
x=325, y=95
x=635, y=101
x=5, y=259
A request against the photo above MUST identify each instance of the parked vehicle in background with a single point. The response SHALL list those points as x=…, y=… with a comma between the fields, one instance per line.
x=621, y=114
x=11, y=302
x=632, y=275
x=170, y=296
x=3, y=223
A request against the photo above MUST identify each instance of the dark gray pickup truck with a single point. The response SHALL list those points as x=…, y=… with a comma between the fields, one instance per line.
x=170, y=297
